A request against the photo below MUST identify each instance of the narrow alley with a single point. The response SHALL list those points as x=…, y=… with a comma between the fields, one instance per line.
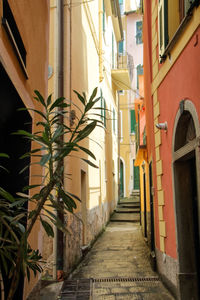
x=117, y=267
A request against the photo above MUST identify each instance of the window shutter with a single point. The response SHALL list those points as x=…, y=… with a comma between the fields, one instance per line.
x=139, y=32
x=136, y=175
x=187, y=4
x=104, y=20
x=163, y=25
x=104, y=103
x=121, y=47
x=133, y=120
x=140, y=71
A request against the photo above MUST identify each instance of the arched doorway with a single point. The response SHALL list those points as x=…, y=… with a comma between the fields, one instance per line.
x=186, y=184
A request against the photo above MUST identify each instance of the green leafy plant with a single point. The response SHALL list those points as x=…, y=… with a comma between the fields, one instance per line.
x=53, y=141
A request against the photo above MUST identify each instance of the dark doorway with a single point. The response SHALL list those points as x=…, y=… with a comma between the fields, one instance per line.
x=151, y=208
x=187, y=225
x=14, y=145
x=145, y=205
x=83, y=207
x=186, y=155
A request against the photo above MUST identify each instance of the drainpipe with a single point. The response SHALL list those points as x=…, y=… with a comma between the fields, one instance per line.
x=58, y=234
x=100, y=40
x=119, y=138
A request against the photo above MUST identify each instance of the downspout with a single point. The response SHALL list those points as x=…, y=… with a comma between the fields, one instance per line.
x=119, y=138
x=100, y=40
x=58, y=234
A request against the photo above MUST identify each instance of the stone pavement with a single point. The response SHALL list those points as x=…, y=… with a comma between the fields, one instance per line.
x=117, y=267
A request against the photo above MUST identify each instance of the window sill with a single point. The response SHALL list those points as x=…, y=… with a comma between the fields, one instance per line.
x=178, y=32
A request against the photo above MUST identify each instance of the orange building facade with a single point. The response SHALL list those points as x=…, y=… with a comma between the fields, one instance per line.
x=24, y=34
x=171, y=79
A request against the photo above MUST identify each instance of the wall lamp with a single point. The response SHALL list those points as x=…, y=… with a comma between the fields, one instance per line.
x=162, y=126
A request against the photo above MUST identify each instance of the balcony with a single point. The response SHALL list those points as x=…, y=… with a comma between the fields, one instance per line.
x=122, y=71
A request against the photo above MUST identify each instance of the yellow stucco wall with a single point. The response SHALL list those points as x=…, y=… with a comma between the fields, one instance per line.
x=85, y=48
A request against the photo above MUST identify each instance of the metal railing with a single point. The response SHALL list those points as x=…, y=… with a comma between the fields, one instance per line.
x=124, y=61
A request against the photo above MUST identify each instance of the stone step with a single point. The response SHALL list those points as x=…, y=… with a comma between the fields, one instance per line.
x=120, y=211
x=129, y=206
x=128, y=217
x=129, y=202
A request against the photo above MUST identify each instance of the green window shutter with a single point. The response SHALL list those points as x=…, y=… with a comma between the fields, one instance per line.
x=133, y=120
x=140, y=71
x=121, y=47
x=163, y=25
x=136, y=174
x=139, y=32
x=166, y=38
x=187, y=4
x=144, y=136
x=104, y=112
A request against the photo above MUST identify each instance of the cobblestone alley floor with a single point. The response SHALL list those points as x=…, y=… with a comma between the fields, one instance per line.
x=117, y=267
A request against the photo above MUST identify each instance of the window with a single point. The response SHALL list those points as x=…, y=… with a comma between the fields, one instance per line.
x=139, y=72
x=104, y=18
x=11, y=28
x=184, y=6
x=103, y=109
x=121, y=47
x=114, y=121
x=170, y=16
x=133, y=120
x=121, y=5
x=139, y=32
x=163, y=25
x=121, y=92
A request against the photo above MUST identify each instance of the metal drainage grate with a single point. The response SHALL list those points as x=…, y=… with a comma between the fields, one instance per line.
x=129, y=279
x=80, y=289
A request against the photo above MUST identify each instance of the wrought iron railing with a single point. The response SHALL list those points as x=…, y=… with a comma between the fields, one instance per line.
x=124, y=61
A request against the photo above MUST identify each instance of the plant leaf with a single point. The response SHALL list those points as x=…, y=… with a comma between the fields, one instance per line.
x=47, y=227
x=87, y=151
x=90, y=163
x=39, y=98
x=49, y=100
x=28, y=187
x=45, y=158
x=93, y=94
x=80, y=97
x=56, y=103
x=6, y=195
x=4, y=155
